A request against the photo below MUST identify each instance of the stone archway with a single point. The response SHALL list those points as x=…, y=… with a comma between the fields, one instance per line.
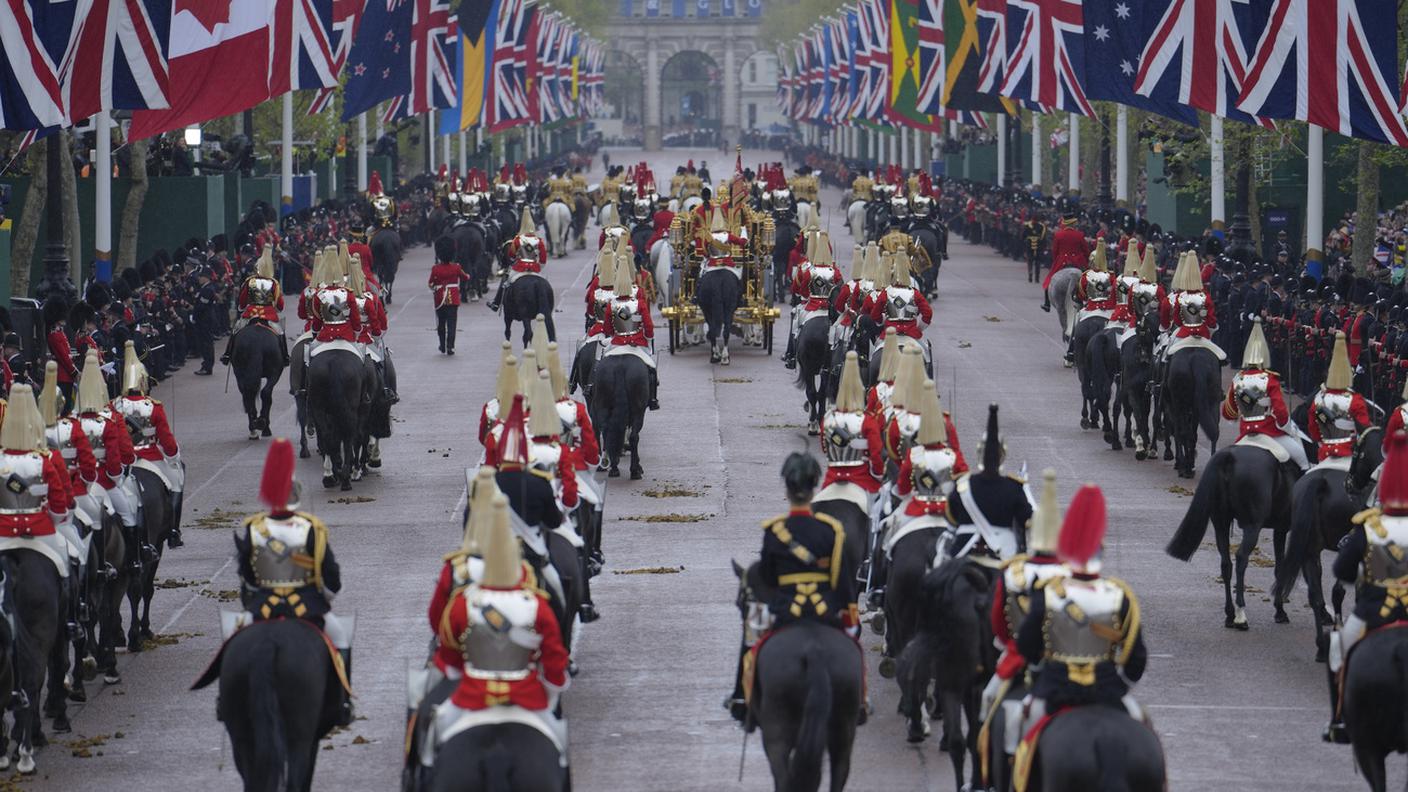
x=624, y=88
x=691, y=97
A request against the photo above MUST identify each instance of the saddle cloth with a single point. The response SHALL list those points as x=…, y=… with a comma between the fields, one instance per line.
x=626, y=349
x=53, y=547
x=902, y=525
x=1083, y=314
x=1195, y=342
x=1262, y=441
x=514, y=275
x=451, y=720
x=846, y=491
x=320, y=347
x=170, y=470
x=1334, y=463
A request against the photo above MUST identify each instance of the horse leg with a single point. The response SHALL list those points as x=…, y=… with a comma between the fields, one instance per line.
x=266, y=403
x=508, y=324
x=1222, y=531
x=1244, y=553
x=347, y=450
x=134, y=600
x=637, y=471
x=548, y=323
x=1371, y=762
x=953, y=740
x=247, y=396
x=149, y=589
x=1278, y=546
x=56, y=705
x=1315, y=591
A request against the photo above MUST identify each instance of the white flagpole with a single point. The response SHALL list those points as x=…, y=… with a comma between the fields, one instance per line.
x=1073, y=178
x=1037, y=143
x=286, y=170
x=102, y=182
x=1001, y=146
x=1315, y=193
x=362, y=153
x=1219, y=178
x=1122, y=156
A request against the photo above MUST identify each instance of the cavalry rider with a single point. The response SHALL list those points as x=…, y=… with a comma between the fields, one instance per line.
x=1082, y=636
x=691, y=186
x=383, y=206
x=1255, y=400
x=1125, y=285
x=1372, y=557
x=900, y=305
x=495, y=411
x=850, y=438
x=1189, y=313
x=601, y=292
x=879, y=399
x=286, y=565
x=630, y=326
x=1068, y=249
x=559, y=188
x=844, y=299
x=579, y=437
x=612, y=231
x=813, y=283
x=927, y=469
x=1148, y=294
x=111, y=446
x=152, y=440
x=861, y=186
x=260, y=300
x=35, y=499
x=804, y=563
x=67, y=442
x=1337, y=413
x=532, y=482
x=334, y=316
x=528, y=252
x=1016, y=584
x=374, y=326
x=990, y=506
x=1097, y=293
x=718, y=246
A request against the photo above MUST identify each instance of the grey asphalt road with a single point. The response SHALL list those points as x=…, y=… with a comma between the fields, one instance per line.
x=1235, y=711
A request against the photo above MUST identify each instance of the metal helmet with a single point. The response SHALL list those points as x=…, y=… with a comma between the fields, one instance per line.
x=471, y=204
x=501, y=192
x=992, y=451
x=49, y=395
x=1339, y=376
x=134, y=374
x=503, y=562
x=641, y=208
x=1045, y=527
x=23, y=429
x=1256, y=354
x=92, y=389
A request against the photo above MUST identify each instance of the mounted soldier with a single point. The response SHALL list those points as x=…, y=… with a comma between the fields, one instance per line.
x=152, y=440
x=66, y=441
x=813, y=284
x=901, y=306
x=579, y=436
x=630, y=327
x=879, y=399
x=1256, y=402
x=260, y=300
x=989, y=507
x=1017, y=584
x=1337, y=413
x=372, y=333
x=720, y=283
x=612, y=231
x=495, y=411
x=1188, y=315
x=527, y=253
x=1096, y=292
x=1068, y=249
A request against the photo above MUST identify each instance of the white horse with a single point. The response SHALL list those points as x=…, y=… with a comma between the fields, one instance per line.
x=855, y=218
x=662, y=268
x=691, y=203
x=806, y=214
x=1062, y=291
x=558, y=217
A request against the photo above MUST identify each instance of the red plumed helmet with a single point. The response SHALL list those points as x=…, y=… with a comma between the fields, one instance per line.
x=444, y=169
x=1083, y=531
x=277, y=484
x=503, y=173
x=520, y=174
x=690, y=166
x=374, y=184
x=1393, y=479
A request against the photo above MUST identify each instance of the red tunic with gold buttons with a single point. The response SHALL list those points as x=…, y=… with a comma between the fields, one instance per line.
x=39, y=523
x=549, y=666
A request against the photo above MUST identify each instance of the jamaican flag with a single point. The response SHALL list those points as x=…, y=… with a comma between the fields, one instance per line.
x=965, y=37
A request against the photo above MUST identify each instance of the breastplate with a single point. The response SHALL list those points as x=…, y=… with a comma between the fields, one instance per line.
x=1144, y=296
x=274, y=545
x=1333, y=416
x=22, y=486
x=900, y=305
x=1252, y=395
x=491, y=410
x=567, y=413
x=1124, y=287
x=884, y=395
x=908, y=423
x=1386, y=555
x=602, y=300
x=1019, y=579
x=625, y=316
x=528, y=248
x=845, y=444
x=1097, y=286
x=720, y=237
x=544, y=457
x=615, y=232
x=60, y=438
x=500, y=636
x=92, y=428
x=361, y=305
x=261, y=291
x=1071, y=617
x=820, y=283
x=334, y=306
x=1192, y=309
x=931, y=472
x=138, y=415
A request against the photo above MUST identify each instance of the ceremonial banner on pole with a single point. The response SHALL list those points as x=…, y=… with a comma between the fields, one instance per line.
x=968, y=65
x=905, y=76
x=1115, y=33
x=1046, y=54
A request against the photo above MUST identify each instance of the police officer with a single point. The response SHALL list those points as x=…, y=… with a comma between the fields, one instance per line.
x=204, y=319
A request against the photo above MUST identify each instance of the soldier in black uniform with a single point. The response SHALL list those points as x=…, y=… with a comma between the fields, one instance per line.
x=15, y=359
x=1034, y=237
x=204, y=319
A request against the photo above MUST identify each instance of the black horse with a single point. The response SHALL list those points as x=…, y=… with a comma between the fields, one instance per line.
x=581, y=213
x=472, y=248
x=786, y=234
x=502, y=757
x=952, y=654
x=35, y=598
x=258, y=363
x=932, y=237
x=160, y=516
x=1094, y=411
x=1136, y=376
x=528, y=296
x=106, y=581
x=339, y=403
x=620, y=394
x=583, y=364
x=1095, y=747
x=386, y=258
x=1191, y=392
x=717, y=293
x=1323, y=503
x=813, y=375
x=279, y=696
x=806, y=696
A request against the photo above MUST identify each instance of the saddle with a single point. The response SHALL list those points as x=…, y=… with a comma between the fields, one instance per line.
x=449, y=721
x=231, y=620
x=1254, y=440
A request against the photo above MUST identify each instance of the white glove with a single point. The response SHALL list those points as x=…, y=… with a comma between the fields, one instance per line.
x=990, y=694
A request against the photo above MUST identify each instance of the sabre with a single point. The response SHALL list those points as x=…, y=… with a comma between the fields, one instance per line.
x=742, y=755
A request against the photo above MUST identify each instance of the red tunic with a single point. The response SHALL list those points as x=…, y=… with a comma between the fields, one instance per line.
x=801, y=286
x=867, y=476
x=641, y=337
x=875, y=308
x=1068, y=249
x=1357, y=410
x=60, y=352
x=165, y=443
x=1169, y=318
x=83, y=468
x=528, y=266
x=364, y=254
x=1269, y=424
x=445, y=280
x=269, y=313
x=549, y=666
x=904, y=483
x=587, y=453
x=342, y=331
x=58, y=501
x=1011, y=662
x=892, y=442
x=117, y=448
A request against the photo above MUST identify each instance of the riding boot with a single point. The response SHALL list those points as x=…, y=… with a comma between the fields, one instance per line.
x=654, y=390
x=173, y=539
x=75, y=627
x=1070, y=356
x=283, y=348
x=789, y=358
x=1335, y=731
x=736, y=705
x=587, y=611
x=229, y=345
x=499, y=295
x=1046, y=300
x=345, y=714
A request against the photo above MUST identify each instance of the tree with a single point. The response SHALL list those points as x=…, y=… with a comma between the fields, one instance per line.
x=132, y=210
x=27, y=231
x=68, y=188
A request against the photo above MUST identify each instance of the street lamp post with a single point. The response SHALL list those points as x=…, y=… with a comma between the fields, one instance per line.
x=1240, y=247
x=56, y=282
x=1104, y=163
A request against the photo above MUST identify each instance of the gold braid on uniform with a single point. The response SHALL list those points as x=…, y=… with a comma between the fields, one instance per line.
x=1396, y=590
x=318, y=531
x=806, y=585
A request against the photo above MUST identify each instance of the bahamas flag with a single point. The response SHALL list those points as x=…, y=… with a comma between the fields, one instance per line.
x=906, y=77
x=473, y=62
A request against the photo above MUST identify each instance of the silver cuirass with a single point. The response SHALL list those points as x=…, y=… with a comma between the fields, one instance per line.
x=261, y=290
x=1073, y=608
x=1098, y=286
x=138, y=415
x=567, y=413
x=908, y=423
x=820, y=283
x=92, y=427
x=500, y=638
x=1253, y=396
x=900, y=305
x=23, y=489
x=60, y=438
x=334, y=305
x=931, y=472
x=846, y=445
x=1145, y=297
x=276, y=546
x=1019, y=579
x=545, y=457
x=1332, y=413
x=1192, y=308
x=625, y=316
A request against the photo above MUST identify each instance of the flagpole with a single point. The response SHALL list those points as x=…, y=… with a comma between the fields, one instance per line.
x=1122, y=156
x=429, y=140
x=903, y=141
x=1315, y=192
x=1036, y=149
x=102, y=183
x=1219, y=178
x=464, y=153
x=1001, y=146
x=445, y=149
x=362, y=153
x=286, y=167
x=1073, y=178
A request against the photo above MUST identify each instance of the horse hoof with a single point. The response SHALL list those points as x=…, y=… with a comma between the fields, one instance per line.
x=1168, y=454
x=917, y=732
x=887, y=667
x=303, y=453
x=112, y=678
x=637, y=474
x=373, y=463
x=1322, y=655
x=1282, y=618
x=90, y=668
x=357, y=475
x=253, y=434
x=26, y=764
x=1141, y=455
x=329, y=482
x=4, y=761
x=134, y=643
x=1186, y=473
x=346, y=485
x=615, y=473
x=77, y=694
x=1084, y=424
x=61, y=725
x=266, y=431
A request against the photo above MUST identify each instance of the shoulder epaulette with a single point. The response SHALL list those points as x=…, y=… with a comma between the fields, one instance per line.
x=153, y=401
x=1019, y=479
x=455, y=555
x=1020, y=558
x=831, y=521
x=1364, y=516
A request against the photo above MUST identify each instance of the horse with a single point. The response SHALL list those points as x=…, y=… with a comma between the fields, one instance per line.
x=386, y=258
x=1097, y=747
x=558, y=219
x=471, y=249
x=1062, y=291
x=1323, y=503
x=620, y=392
x=813, y=347
x=1136, y=376
x=527, y=296
x=498, y=757
x=662, y=269
x=932, y=237
x=806, y=214
x=278, y=698
x=806, y=697
x=855, y=219
x=1191, y=392
x=718, y=293
x=1246, y=484
x=258, y=363
x=1103, y=367
x=1094, y=409
x=786, y=234
x=952, y=653
x=581, y=213
x=107, y=579
x=160, y=516
x=339, y=402
x=35, y=598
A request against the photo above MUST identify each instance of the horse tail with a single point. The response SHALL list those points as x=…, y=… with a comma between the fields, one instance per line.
x=1194, y=526
x=1305, y=520
x=1111, y=764
x=271, y=762
x=618, y=411
x=1100, y=376
x=805, y=767
x=1207, y=394
x=497, y=768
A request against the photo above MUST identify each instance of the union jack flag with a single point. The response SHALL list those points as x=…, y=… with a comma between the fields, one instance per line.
x=932, y=64
x=345, y=16
x=992, y=14
x=1047, y=63
x=116, y=57
x=544, y=68
x=31, y=96
x=861, y=55
x=301, y=55
x=1204, y=39
x=432, y=66
x=1327, y=62
x=508, y=102
x=839, y=72
x=784, y=81
x=879, y=13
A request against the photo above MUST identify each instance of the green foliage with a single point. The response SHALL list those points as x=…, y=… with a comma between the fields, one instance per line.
x=589, y=15
x=784, y=22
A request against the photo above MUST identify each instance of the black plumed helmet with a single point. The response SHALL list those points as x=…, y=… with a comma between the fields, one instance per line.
x=800, y=474
x=992, y=448
x=98, y=295
x=131, y=279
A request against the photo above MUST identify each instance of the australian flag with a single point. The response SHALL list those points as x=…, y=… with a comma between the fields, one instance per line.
x=1115, y=34
x=379, y=65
